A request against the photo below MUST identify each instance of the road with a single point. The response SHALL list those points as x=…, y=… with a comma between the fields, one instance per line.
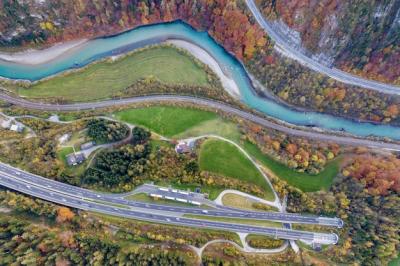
x=78, y=198
x=321, y=136
x=347, y=78
x=23, y=178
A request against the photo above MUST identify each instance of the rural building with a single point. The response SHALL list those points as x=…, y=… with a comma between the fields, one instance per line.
x=75, y=158
x=64, y=138
x=183, y=147
x=87, y=145
x=17, y=128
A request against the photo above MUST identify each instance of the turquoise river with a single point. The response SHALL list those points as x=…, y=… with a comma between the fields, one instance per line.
x=104, y=47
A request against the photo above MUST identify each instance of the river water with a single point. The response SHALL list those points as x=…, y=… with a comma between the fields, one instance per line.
x=114, y=45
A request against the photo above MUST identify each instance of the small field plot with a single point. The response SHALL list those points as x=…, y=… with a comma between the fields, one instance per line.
x=223, y=158
x=165, y=120
x=102, y=80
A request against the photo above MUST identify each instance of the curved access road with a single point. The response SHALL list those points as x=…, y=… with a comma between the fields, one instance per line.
x=347, y=78
x=321, y=136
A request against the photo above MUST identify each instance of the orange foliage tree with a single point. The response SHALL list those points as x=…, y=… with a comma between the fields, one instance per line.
x=64, y=214
x=379, y=174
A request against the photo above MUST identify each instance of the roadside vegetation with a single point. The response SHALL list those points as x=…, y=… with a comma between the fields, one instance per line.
x=264, y=242
x=143, y=197
x=264, y=223
x=238, y=201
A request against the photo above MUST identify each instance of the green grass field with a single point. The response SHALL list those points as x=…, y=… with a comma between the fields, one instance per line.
x=62, y=154
x=182, y=122
x=165, y=120
x=223, y=158
x=216, y=126
x=396, y=261
x=101, y=80
x=303, y=181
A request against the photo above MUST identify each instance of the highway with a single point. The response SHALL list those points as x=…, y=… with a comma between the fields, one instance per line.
x=347, y=78
x=14, y=175
x=304, y=132
x=19, y=181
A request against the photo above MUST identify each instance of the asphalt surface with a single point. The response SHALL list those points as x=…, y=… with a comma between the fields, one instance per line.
x=345, y=140
x=281, y=41
x=25, y=178
x=79, y=198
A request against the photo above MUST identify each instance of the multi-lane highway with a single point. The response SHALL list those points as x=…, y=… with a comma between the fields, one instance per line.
x=15, y=175
x=281, y=41
x=92, y=201
x=312, y=134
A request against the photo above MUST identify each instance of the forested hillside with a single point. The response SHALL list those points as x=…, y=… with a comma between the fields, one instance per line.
x=360, y=36
x=229, y=22
x=35, y=22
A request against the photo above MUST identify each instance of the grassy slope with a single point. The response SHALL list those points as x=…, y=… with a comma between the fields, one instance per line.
x=225, y=159
x=101, y=80
x=165, y=120
x=303, y=181
x=62, y=154
x=216, y=126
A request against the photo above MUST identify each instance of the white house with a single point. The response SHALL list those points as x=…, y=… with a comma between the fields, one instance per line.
x=17, y=128
x=64, y=138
